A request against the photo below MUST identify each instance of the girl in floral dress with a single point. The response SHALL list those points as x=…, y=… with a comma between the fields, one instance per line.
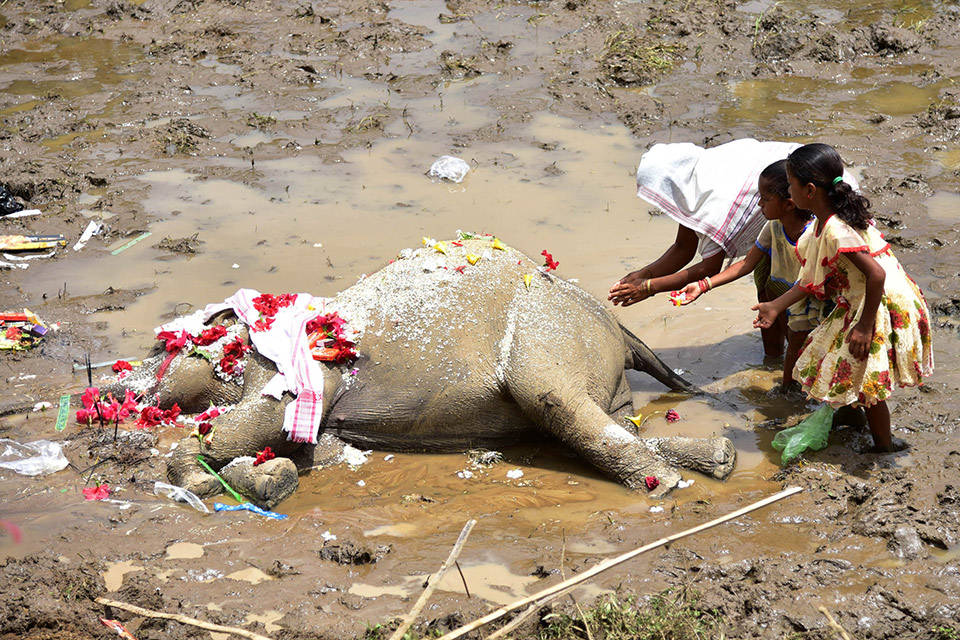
x=878, y=334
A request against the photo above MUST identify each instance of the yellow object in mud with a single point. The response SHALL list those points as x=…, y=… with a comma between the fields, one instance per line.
x=527, y=279
x=499, y=245
x=473, y=258
x=637, y=420
x=440, y=248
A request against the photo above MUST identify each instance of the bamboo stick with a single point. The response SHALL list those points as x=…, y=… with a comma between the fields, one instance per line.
x=612, y=562
x=433, y=581
x=209, y=626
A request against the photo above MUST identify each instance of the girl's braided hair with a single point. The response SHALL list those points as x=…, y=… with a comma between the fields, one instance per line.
x=820, y=164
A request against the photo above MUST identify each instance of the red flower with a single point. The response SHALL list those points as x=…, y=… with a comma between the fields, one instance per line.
x=13, y=333
x=263, y=456
x=460, y=268
x=549, y=262
x=99, y=492
x=122, y=365
x=235, y=349
x=209, y=414
x=672, y=415
x=286, y=299
x=170, y=415
x=266, y=304
x=457, y=243
x=228, y=364
x=262, y=324
x=149, y=417
x=209, y=336
x=204, y=428
x=652, y=482
x=86, y=416
x=89, y=397
x=174, y=342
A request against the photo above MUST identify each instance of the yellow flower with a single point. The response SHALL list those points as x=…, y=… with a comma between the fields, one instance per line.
x=637, y=420
x=440, y=248
x=527, y=279
x=472, y=258
x=499, y=245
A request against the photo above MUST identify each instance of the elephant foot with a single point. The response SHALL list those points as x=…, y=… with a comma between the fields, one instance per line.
x=266, y=484
x=714, y=457
x=201, y=484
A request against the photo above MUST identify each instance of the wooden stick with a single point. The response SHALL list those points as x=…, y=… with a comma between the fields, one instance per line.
x=612, y=562
x=529, y=611
x=209, y=626
x=432, y=582
x=833, y=624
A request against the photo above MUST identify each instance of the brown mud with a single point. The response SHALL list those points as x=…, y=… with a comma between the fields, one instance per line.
x=282, y=144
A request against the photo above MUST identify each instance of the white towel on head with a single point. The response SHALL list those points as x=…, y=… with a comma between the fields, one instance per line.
x=712, y=191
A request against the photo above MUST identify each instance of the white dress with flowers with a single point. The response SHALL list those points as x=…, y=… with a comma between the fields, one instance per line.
x=901, y=351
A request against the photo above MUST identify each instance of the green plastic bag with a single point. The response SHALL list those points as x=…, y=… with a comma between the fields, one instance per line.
x=810, y=434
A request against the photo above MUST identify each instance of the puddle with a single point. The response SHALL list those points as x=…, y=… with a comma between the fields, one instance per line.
x=944, y=205
x=490, y=581
x=250, y=574
x=184, y=551
x=113, y=576
x=268, y=619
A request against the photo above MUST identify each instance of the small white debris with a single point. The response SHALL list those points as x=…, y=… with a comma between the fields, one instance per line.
x=388, y=457
x=514, y=474
x=234, y=266
x=573, y=280
x=679, y=372
x=708, y=308
x=353, y=456
x=361, y=483
x=154, y=452
x=656, y=509
x=683, y=484
x=465, y=474
x=40, y=406
x=327, y=536
x=317, y=245
x=449, y=168
x=93, y=228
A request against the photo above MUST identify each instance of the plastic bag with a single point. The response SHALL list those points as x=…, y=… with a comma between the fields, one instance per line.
x=179, y=494
x=32, y=458
x=811, y=433
x=449, y=168
x=8, y=204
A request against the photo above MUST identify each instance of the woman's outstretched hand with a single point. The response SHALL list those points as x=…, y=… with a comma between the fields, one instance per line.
x=766, y=314
x=630, y=289
x=688, y=294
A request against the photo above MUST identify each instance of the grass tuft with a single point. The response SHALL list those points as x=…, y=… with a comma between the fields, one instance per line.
x=632, y=59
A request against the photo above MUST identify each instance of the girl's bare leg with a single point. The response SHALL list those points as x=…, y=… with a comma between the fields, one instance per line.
x=795, y=341
x=878, y=417
x=773, y=337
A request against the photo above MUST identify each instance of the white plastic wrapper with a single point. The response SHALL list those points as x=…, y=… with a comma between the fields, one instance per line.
x=179, y=494
x=449, y=168
x=32, y=458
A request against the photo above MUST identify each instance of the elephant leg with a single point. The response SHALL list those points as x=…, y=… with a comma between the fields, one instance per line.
x=572, y=417
x=621, y=405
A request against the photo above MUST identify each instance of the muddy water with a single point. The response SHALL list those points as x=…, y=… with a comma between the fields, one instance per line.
x=300, y=224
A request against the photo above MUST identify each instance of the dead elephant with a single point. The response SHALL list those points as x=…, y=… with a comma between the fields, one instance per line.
x=462, y=344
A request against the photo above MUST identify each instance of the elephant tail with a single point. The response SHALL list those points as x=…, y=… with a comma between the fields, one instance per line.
x=642, y=358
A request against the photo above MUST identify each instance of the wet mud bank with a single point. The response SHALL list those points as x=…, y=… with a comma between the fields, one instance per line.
x=281, y=145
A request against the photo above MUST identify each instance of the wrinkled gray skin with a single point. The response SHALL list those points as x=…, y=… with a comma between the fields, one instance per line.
x=447, y=361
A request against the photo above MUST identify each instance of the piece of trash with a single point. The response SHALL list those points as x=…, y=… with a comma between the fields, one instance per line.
x=127, y=245
x=21, y=214
x=361, y=483
x=32, y=458
x=10, y=256
x=317, y=245
x=99, y=492
x=683, y=484
x=119, y=628
x=40, y=406
x=13, y=530
x=656, y=509
x=515, y=474
x=672, y=415
x=8, y=204
x=11, y=265
x=679, y=372
x=652, y=482
x=812, y=433
x=252, y=508
x=449, y=168
x=234, y=266
x=93, y=228
x=63, y=412
x=353, y=456
x=465, y=474
x=31, y=243
x=327, y=536
x=573, y=280
x=179, y=494
x=388, y=457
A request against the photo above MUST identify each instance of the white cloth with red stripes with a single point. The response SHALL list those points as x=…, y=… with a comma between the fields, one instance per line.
x=712, y=191
x=286, y=344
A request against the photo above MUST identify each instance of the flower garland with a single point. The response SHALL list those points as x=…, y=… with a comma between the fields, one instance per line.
x=218, y=344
